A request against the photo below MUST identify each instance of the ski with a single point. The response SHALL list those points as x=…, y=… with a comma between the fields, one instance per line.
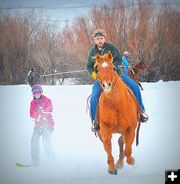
x=24, y=165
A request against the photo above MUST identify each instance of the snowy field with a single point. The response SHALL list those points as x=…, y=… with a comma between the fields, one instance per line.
x=80, y=156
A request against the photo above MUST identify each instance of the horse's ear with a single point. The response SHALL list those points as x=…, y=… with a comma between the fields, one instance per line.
x=109, y=55
x=97, y=56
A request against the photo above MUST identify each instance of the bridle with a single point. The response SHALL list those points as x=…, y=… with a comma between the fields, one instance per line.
x=114, y=83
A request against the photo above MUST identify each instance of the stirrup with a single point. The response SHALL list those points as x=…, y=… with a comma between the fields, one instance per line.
x=143, y=117
x=95, y=126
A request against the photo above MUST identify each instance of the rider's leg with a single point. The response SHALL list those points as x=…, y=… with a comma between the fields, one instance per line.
x=135, y=88
x=125, y=70
x=94, y=100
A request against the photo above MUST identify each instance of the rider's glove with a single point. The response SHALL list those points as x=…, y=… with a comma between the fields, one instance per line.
x=94, y=75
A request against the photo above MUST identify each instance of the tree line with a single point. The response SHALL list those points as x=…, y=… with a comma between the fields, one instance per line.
x=149, y=32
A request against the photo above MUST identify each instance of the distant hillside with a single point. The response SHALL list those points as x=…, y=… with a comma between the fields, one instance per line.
x=62, y=3
x=49, y=3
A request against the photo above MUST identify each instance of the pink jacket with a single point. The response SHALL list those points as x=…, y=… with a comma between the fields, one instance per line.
x=42, y=112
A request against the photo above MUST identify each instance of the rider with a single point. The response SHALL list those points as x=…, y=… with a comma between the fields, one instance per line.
x=101, y=47
x=33, y=77
x=125, y=62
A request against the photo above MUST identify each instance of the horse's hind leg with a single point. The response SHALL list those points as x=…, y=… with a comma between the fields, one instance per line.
x=119, y=163
x=129, y=138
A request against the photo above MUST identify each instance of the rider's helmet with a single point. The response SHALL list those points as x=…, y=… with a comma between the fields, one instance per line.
x=37, y=88
x=33, y=69
x=126, y=53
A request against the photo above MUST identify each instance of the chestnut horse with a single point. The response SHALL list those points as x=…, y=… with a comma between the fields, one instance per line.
x=135, y=71
x=117, y=112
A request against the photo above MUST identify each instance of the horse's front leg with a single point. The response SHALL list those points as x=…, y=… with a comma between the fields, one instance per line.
x=110, y=160
x=119, y=163
x=129, y=138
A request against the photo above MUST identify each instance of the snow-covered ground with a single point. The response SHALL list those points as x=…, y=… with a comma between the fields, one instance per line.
x=80, y=156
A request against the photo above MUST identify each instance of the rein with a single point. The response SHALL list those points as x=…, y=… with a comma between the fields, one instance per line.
x=137, y=133
x=139, y=124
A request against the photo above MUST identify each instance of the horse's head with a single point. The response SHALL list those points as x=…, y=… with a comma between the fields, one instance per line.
x=142, y=66
x=106, y=71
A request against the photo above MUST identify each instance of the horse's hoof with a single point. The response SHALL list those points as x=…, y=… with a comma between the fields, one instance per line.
x=131, y=161
x=119, y=165
x=113, y=172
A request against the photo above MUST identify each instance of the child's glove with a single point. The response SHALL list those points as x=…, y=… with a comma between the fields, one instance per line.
x=45, y=113
x=41, y=109
x=94, y=75
x=39, y=117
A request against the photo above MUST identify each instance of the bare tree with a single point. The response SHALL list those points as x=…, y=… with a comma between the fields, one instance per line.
x=148, y=31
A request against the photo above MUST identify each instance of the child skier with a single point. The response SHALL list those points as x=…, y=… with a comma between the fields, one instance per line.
x=41, y=110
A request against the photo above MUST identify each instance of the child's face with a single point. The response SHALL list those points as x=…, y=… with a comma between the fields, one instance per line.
x=37, y=94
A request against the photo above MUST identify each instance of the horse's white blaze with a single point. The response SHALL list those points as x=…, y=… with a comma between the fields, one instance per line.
x=104, y=64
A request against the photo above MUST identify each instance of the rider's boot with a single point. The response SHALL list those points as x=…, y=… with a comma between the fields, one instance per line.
x=95, y=126
x=143, y=117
